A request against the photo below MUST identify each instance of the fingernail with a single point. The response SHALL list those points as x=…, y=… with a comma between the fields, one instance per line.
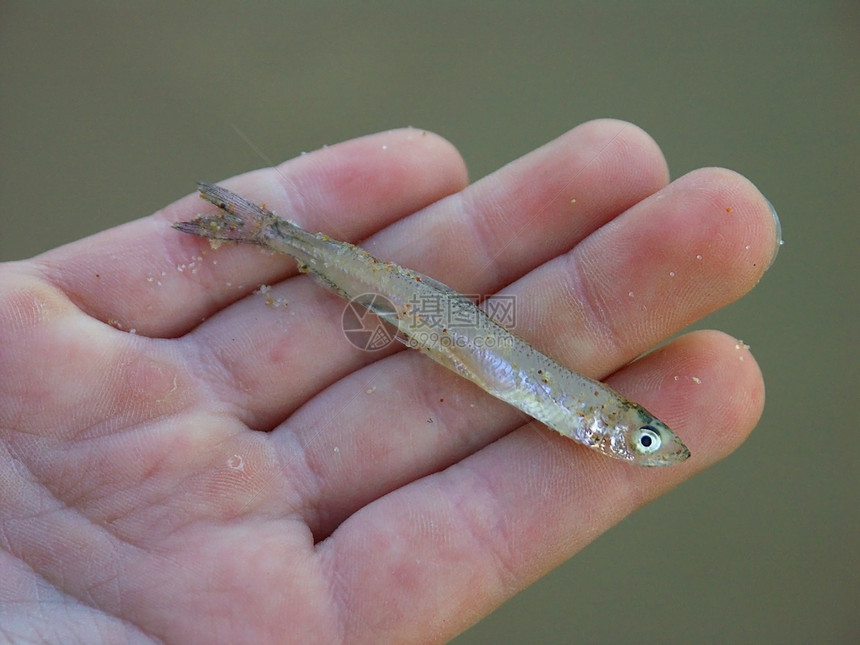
x=779, y=241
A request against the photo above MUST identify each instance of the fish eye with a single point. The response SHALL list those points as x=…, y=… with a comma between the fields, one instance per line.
x=647, y=440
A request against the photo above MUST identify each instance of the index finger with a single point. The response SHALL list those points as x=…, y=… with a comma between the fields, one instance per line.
x=144, y=276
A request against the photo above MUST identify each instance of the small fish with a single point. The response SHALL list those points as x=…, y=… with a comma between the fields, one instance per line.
x=484, y=352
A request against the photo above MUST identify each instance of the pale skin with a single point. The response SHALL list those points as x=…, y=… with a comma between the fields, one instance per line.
x=255, y=478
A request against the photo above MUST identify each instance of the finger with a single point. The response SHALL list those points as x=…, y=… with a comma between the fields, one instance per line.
x=523, y=505
x=569, y=314
x=697, y=245
x=145, y=275
x=541, y=205
x=495, y=231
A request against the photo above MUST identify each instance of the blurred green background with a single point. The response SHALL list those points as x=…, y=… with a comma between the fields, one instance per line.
x=110, y=111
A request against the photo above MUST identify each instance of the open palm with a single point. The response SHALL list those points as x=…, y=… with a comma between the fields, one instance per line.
x=183, y=460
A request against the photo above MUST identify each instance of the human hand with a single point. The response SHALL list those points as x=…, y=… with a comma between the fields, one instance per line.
x=388, y=500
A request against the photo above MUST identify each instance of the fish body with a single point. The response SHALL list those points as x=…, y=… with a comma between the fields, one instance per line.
x=482, y=351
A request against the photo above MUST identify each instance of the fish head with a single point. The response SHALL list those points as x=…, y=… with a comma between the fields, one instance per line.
x=650, y=442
